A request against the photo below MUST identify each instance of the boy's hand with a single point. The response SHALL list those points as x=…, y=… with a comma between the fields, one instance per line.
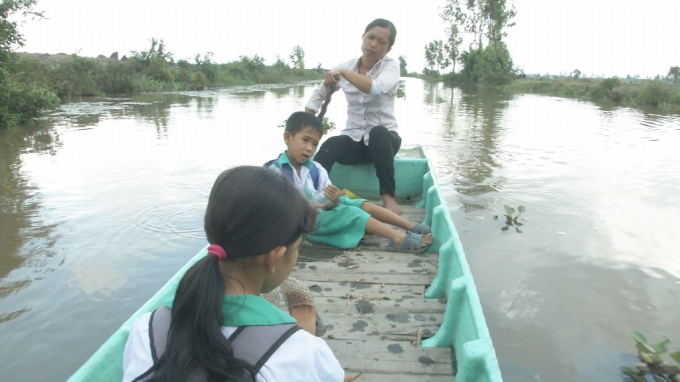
x=333, y=194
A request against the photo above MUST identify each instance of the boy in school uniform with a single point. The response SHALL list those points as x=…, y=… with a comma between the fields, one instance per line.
x=342, y=222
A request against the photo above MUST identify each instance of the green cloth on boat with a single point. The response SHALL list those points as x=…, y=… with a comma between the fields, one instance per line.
x=249, y=310
x=343, y=226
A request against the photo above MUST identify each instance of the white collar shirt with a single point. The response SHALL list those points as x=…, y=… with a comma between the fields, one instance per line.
x=304, y=182
x=302, y=357
x=306, y=187
x=365, y=111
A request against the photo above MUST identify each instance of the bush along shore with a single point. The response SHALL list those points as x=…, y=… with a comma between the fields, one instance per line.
x=57, y=78
x=647, y=94
x=70, y=76
x=662, y=94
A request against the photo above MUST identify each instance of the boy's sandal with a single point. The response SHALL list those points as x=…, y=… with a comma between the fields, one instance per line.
x=421, y=228
x=411, y=244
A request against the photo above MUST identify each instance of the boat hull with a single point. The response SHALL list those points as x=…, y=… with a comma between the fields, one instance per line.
x=463, y=329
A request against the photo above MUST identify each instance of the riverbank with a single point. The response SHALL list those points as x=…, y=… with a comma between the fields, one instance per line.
x=70, y=76
x=641, y=94
x=37, y=82
x=635, y=93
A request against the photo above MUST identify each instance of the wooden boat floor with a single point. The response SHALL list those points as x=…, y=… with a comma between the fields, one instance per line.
x=372, y=305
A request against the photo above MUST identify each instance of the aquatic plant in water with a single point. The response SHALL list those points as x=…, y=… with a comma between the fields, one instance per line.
x=652, y=362
x=511, y=219
x=327, y=125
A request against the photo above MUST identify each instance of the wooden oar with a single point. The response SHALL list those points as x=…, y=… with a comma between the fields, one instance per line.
x=326, y=101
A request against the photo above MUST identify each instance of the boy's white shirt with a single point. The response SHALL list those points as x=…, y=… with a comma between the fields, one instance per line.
x=302, y=357
x=308, y=182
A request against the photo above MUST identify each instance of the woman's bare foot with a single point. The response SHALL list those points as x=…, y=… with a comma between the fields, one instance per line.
x=391, y=204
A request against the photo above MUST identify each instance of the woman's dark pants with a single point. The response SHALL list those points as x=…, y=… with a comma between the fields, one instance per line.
x=382, y=147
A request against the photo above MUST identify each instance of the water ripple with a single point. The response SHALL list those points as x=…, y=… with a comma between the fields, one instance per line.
x=173, y=220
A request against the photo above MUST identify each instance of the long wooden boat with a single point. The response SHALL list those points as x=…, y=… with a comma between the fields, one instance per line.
x=391, y=316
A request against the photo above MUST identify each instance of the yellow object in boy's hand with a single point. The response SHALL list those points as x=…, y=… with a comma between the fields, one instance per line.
x=349, y=194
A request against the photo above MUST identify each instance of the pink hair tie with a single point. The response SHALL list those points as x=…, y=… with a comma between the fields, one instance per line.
x=217, y=251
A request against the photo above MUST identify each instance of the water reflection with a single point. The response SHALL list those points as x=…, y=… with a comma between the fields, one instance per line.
x=593, y=262
x=434, y=93
x=27, y=238
x=298, y=91
x=154, y=109
x=206, y=105
x=547, y=326
x=476, y=117
x=251, y=95
x=281, y=93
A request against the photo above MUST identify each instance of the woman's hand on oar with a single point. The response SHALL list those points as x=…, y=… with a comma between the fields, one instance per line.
x=330, y=82
x=331, y=78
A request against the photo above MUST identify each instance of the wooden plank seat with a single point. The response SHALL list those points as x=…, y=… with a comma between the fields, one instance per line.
x=371, y=301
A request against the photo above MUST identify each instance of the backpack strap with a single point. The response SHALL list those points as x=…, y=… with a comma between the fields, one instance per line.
x=271, y=164
x=256, y=344
x=252, y=344
x=314, y=172
x=159, y=324
x=287, y=171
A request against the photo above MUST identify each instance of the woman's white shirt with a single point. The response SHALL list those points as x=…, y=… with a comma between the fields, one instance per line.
x=366, y=110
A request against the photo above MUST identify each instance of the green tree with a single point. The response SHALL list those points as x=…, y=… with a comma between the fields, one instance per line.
x=481, y=18
x=674, y=73
x=280, y=64
x=297, y=57
x=253, y=64
x=576, y=74
x=480, y=66
x=497, y=17
x=402, y=66
x=434, y=55
x=430, y=55
x=454, y=17
x=474, y=23
x=20, y=102
x=156, y=51
x=207, y=66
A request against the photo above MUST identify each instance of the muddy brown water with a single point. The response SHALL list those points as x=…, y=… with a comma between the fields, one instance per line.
x=101, y=207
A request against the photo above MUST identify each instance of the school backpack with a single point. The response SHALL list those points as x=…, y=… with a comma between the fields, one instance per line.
x=287, y=171
x=252, y=344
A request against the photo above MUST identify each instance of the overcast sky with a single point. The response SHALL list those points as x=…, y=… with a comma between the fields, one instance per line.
x=598, y=37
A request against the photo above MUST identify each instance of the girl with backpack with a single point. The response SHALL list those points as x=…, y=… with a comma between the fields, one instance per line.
x=218, y=327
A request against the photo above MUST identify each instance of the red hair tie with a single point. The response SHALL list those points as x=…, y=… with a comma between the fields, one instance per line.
x=217, y=251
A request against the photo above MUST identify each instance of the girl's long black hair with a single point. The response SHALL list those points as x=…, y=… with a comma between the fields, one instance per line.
x=251, y=210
